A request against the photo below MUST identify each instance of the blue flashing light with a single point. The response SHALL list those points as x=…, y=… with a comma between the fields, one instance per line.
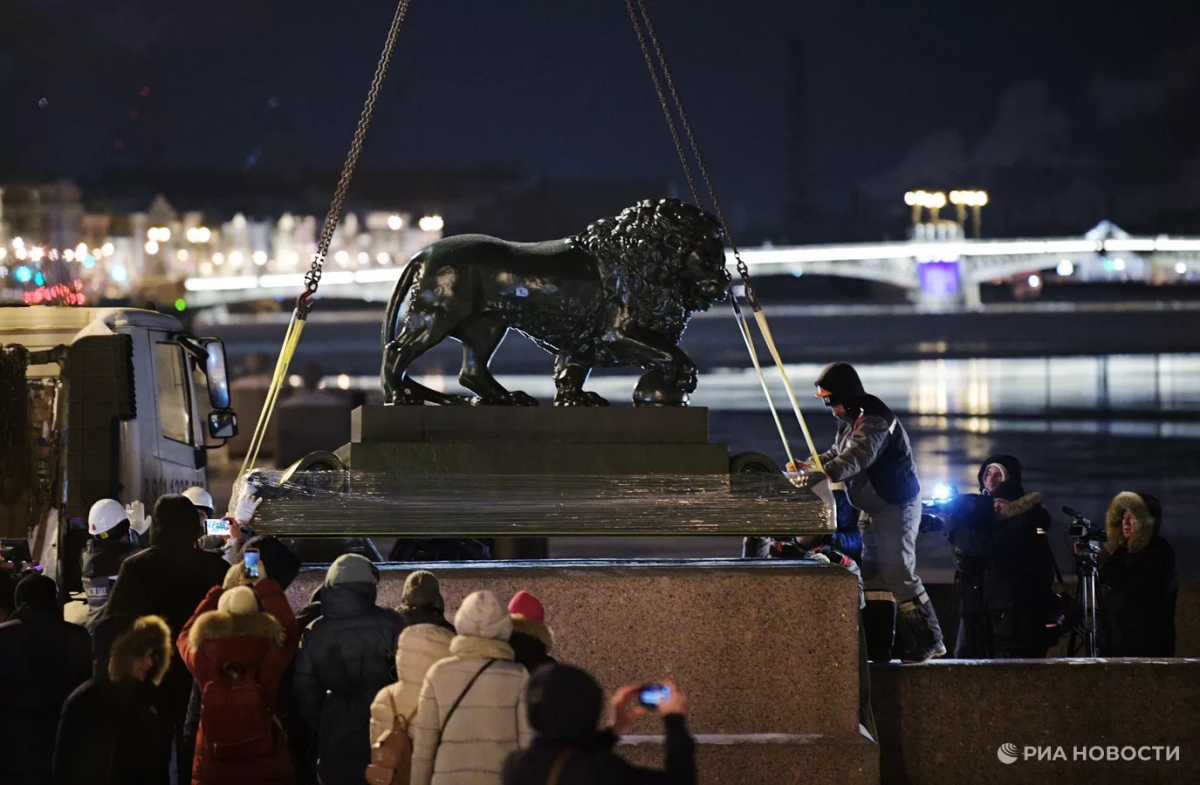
x=24, y=274
x=89, y=261
x=943, y=492
x=119, y=273
x=39, y=280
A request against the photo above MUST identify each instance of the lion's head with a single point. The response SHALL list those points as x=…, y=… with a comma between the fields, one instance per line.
x=663, y=260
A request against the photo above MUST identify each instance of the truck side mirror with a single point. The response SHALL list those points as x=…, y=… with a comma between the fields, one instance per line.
x=222, y=424
x=217, y=375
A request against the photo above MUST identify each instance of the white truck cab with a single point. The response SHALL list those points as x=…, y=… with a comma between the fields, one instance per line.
x=101, y=403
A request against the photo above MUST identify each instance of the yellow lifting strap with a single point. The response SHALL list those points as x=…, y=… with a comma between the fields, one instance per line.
x=761, y=318
x=312, y=279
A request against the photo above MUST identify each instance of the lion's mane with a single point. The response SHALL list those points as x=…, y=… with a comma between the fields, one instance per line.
x=641, y=254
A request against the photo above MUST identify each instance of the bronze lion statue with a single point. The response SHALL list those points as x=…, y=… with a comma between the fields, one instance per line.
x=620, y=293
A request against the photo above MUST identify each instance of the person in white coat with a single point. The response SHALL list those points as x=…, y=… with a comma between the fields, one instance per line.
x=420, y=646
x=471, y=713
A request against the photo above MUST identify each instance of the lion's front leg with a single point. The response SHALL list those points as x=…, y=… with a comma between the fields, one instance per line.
x=651, y=352
x=570, y=374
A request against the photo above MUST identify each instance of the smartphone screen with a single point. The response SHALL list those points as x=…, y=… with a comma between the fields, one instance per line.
x=250, y=558
x=654, y=694
x=218, y=527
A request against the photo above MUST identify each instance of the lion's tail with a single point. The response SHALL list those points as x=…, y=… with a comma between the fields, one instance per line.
x=390, y=321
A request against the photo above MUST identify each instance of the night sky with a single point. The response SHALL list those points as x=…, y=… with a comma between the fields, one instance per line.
x=1068, y=101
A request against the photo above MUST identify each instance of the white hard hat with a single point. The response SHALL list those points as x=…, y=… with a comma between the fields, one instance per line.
x=200, y=498
x=106, y=514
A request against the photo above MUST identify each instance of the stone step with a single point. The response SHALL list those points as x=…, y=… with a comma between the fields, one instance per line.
x=530, y=425
x=539, y=458
x=768, y=758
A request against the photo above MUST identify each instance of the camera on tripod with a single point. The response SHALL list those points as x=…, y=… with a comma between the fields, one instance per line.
x=1087, y=534
x=1089, y=540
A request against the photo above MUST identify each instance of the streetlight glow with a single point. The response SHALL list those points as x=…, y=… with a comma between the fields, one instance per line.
x=151, y=247
x=431, y=223
x=395, y=223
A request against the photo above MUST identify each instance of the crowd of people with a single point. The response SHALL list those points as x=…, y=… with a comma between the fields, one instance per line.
x=193, y=666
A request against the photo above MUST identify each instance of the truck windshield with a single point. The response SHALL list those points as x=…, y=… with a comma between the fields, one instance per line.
x=174, y=410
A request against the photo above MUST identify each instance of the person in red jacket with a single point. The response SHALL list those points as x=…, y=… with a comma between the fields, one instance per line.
x=237, y=645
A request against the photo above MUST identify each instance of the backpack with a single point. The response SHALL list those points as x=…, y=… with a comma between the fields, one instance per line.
x=391, y=755
x=235, y=720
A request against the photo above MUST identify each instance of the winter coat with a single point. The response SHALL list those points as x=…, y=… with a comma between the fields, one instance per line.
x=1005, y=573
x=531, y=642
x=42, y=660
x=420, y=646
x=873, y=457
x=168, y=579
x=491, y=719
x=214, y=643
x=111, y=731
x=565, y=705
x=346, y=657
x=1140, y=585
x=101, y=561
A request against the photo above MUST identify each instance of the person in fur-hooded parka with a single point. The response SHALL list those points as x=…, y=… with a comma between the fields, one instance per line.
x=1137, y=607
x=230, y=636
x=111, y=731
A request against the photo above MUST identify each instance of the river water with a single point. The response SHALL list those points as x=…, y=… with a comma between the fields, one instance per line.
x=1084, y=429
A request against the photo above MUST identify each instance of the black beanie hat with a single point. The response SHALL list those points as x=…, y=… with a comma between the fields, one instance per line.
x=38, y=592
x=176, y=524
x=564, y=703
x=842, y=382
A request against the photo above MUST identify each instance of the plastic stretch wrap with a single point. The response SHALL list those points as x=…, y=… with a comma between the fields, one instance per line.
x=443, y=505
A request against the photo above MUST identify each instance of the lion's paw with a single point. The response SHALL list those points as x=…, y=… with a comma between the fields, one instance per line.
x=579, y=398
x=518, y=398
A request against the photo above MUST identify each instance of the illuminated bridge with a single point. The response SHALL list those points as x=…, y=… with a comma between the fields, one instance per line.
x=932, y=271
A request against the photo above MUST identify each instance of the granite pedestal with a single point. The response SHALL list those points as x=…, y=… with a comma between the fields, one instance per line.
x=766, y=651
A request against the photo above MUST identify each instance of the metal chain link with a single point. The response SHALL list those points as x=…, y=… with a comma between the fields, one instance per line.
x=312, y=279
x=743, y=270
x=666, y=107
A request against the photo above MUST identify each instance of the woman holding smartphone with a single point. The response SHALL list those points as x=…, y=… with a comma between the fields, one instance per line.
x=564, y=710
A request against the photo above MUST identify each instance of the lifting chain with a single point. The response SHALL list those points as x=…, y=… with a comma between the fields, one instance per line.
x=743, y=271
x=312, y=279
x=639, y=16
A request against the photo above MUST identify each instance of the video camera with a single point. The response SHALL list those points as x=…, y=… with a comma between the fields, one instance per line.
x=1083, y=530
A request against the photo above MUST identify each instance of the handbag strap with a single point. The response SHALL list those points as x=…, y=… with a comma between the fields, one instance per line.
x=450, y=713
